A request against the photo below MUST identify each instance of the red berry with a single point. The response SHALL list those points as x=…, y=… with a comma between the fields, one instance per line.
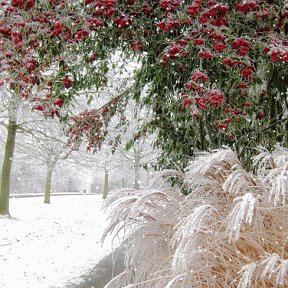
x=67, y=82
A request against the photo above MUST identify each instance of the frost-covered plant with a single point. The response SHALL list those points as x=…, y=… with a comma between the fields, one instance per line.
x=231, y=230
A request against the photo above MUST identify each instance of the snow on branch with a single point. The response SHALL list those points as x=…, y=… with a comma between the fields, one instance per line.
x=213, y=165
x=282, y=273
x=263, y=161
x=187, y=234
x=167, y=174
x=238, y=182
x=266, y=161
x=269, y=264
x=242, y=212
x=246, y=278
x=277, y=181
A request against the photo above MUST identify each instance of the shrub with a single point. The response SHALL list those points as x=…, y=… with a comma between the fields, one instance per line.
x=231, y=230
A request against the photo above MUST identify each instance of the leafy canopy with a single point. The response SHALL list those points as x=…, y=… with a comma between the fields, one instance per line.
x=216, y=71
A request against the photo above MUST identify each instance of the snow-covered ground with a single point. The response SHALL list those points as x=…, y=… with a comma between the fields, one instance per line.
x=51, y=245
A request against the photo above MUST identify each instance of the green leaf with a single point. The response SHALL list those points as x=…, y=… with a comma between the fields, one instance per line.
x=129, y=145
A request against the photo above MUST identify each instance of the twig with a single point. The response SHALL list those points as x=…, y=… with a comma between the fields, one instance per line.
x=275, y=123
x=263, y=130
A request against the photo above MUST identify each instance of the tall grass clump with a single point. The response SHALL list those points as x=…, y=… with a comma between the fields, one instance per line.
x=231, y=230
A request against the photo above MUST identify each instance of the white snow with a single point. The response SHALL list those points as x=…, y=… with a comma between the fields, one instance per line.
x=51, y=245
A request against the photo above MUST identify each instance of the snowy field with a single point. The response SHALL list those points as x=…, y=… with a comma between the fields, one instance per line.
x=45, y=246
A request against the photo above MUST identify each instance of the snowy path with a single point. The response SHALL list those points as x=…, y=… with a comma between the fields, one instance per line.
x=109, y=267
x=51, y=245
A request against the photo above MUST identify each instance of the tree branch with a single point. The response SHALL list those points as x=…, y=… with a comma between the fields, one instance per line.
x=274, y=124
x=33, y=133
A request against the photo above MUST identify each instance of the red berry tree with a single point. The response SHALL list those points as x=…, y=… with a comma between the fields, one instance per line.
x=239, y=47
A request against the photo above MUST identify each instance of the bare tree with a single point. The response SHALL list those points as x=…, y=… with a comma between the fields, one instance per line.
x=138, y=151
x=46, y=147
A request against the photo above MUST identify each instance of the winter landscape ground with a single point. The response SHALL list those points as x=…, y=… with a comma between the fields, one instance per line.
x=97, y=95
x=51, y=245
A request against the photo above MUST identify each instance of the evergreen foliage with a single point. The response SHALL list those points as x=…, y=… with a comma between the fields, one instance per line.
x=216, y=71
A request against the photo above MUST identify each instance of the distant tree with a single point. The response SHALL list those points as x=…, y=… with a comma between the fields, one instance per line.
x=46, y=147
x=141, y=155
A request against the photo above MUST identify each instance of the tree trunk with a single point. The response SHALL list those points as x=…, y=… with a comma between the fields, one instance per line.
x=202, y=135
x=148, y=176
x=136, y=169
x=6, y=168
x=105, y=189
x=48, y=186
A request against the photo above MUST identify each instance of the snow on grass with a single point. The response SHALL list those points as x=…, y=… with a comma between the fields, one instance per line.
x=51, y=245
